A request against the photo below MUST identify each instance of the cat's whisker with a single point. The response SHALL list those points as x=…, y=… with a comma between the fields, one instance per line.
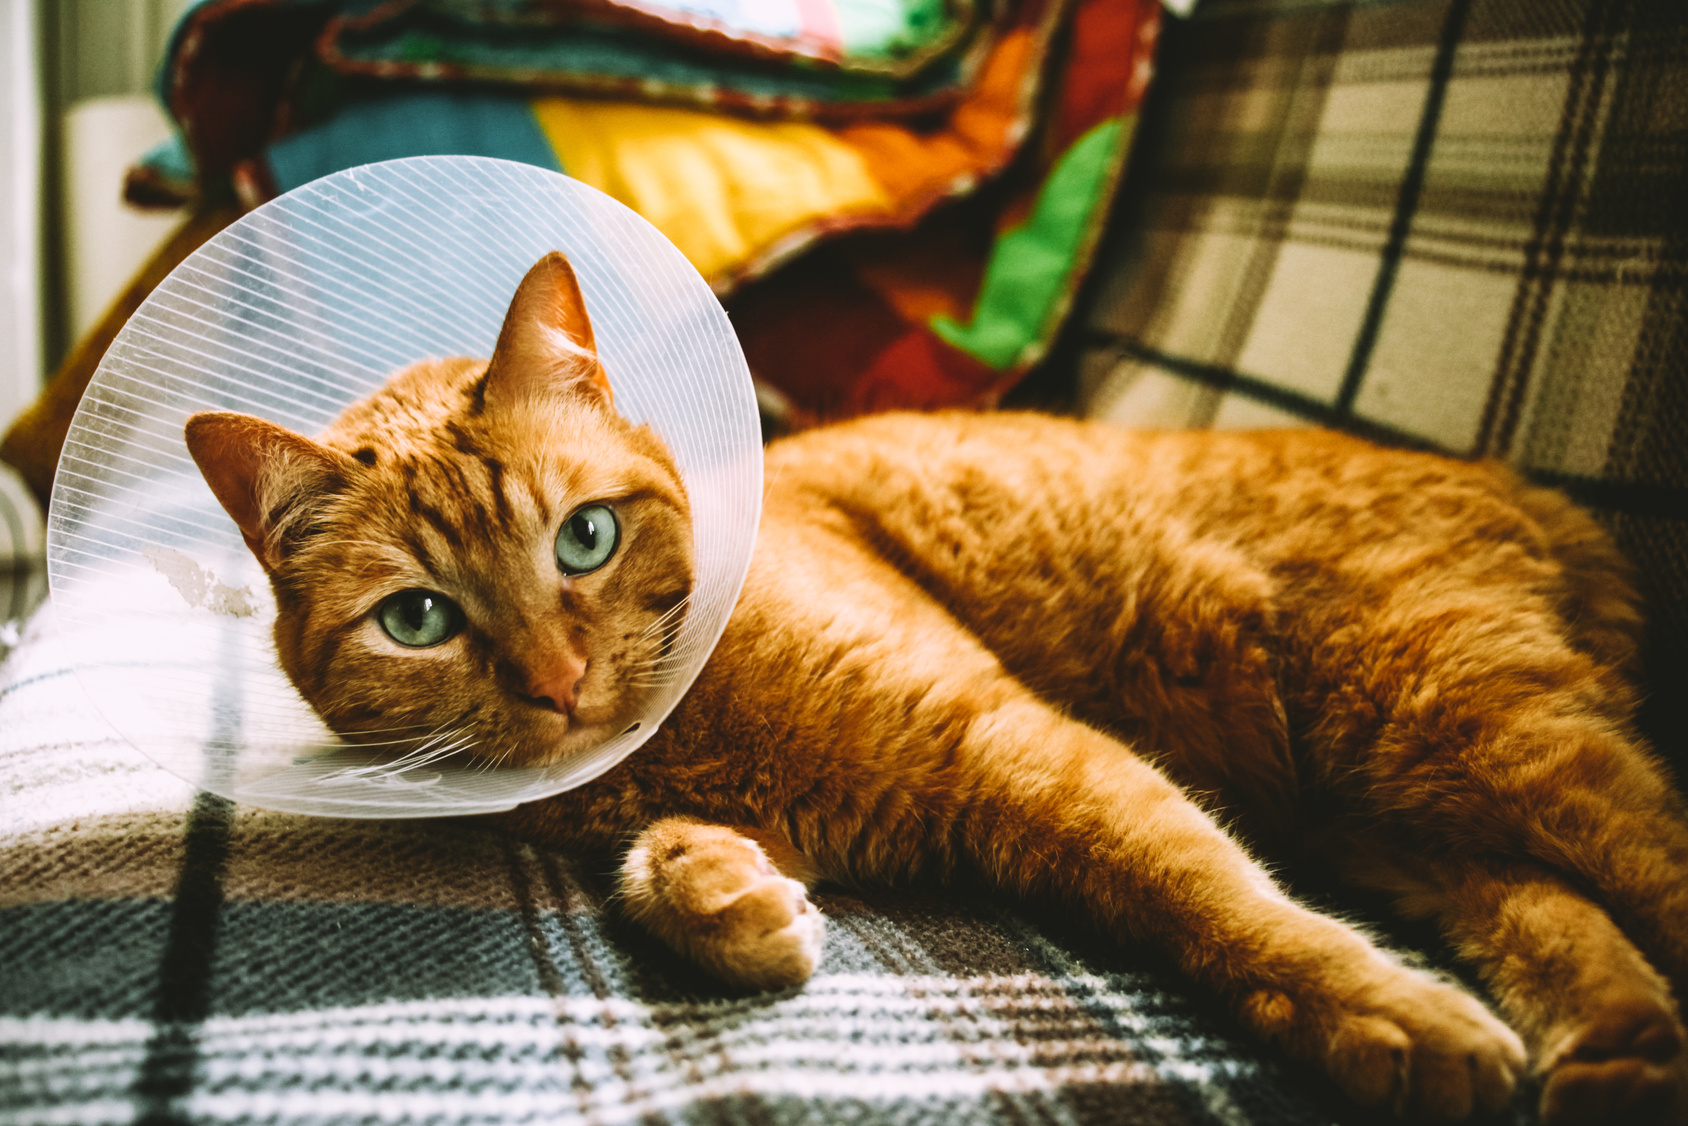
x=441, y=741
x=662, y=637
x=404, y=764
x=647, y=665
x=429, y=746
x=659, y=682
x=433, y=728
x=649, y=668
x=428, y=756
x=663, y=642
x=672, y=626
x=668, y=619
x=371, y=744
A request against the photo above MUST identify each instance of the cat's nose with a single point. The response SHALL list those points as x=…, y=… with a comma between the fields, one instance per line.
x=558, y=687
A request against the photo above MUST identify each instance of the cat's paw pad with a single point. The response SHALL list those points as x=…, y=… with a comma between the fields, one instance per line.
x=1426, y=1051
x=716, y=897
x=1629, y=1064
x=768, y=937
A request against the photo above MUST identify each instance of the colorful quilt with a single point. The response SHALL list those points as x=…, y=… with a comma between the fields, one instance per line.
x=982, y=140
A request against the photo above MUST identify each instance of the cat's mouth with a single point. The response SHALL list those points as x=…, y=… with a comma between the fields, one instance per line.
x=521, y=731
x=542, y=736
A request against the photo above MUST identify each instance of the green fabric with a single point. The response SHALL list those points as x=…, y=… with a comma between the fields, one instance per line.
x=1030, y=264
x=889, y=28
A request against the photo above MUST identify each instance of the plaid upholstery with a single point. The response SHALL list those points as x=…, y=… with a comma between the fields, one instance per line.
x=21, y=539
x=22, y=578
x=170, y=958
x=1454, y=223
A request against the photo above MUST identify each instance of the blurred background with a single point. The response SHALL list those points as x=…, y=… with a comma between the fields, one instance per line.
x=77, y=109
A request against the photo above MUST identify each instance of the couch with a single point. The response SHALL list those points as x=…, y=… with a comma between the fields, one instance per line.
x=1446, y=223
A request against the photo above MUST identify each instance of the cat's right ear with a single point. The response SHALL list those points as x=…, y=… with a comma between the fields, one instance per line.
x=546, y=346
x=266, y=477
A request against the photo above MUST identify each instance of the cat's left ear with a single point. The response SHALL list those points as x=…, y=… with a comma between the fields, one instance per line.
x=269, y=479
x=546, y=345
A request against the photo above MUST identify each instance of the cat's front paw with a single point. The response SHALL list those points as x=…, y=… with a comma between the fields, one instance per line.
x=1404, y=1042
x=714, y=896
x=768, y=937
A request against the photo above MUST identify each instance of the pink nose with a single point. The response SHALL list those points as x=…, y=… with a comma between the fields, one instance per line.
x=558, y=687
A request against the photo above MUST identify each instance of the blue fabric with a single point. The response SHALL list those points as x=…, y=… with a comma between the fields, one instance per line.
x=414, y=123
x=171, y=159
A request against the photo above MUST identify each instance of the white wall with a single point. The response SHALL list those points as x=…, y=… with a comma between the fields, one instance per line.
x=20, y=209
x=106, y=241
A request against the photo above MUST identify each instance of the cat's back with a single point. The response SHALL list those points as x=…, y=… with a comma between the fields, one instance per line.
x=1286, y=495
x=995, y=511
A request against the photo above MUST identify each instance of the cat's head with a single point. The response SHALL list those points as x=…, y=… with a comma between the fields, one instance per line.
x=483, y=552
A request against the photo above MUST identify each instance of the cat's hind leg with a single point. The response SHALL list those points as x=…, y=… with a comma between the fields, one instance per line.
x=1600, y=1023
x=1501, y=744
x=733, y=901
x=916, y=754
x=1588, y=975
x=1056, y=808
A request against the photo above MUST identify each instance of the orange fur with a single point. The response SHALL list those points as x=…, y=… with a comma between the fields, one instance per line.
x=1049, y=653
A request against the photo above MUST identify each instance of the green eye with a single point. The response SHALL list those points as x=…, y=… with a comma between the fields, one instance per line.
x=419, y=618
x=587, y=540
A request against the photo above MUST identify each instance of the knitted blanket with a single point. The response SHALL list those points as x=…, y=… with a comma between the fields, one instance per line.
x=171, y=958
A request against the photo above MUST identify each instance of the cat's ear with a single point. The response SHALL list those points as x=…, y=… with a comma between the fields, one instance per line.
x=546, y=345
x=266, y=477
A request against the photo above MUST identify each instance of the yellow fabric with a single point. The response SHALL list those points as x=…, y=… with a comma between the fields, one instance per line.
x=722, y=189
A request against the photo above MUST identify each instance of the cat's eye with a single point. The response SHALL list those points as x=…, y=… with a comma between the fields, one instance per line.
x=587, y=540
x=419, y=618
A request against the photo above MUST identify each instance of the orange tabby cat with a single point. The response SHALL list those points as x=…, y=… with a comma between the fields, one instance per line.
x=1014, y=646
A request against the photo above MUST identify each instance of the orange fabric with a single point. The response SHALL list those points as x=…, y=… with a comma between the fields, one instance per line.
x=982, y=130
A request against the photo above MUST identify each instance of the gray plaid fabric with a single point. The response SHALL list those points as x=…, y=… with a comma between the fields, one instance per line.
x=23, y=578
x=169, y=958
x=21, y=537
x=1454, y=223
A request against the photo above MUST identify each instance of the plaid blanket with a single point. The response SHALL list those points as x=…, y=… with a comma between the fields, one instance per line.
x=1448, y=223
x=170, y=958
